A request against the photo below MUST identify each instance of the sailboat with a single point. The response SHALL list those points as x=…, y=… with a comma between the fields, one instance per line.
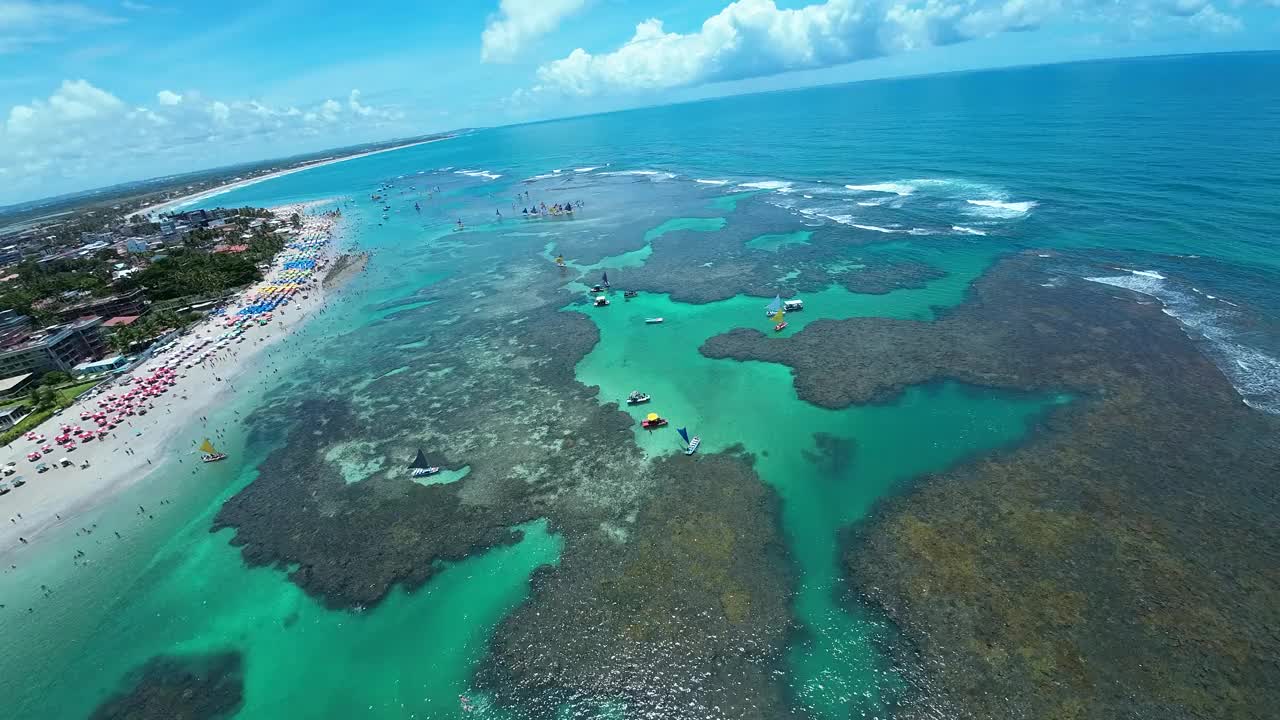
x=560, y=260
x=211, y=454
x=604, y=279
x=420, y=466
x=774, y=306
x=778, y=318
x=693, y=444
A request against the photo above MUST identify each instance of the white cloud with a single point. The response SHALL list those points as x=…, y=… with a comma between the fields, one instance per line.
x=519, y=22
x=1213, y=20
x=750, y=38
x=24, y=23
x=74, y=101
x=753, y=38
x=69, y=139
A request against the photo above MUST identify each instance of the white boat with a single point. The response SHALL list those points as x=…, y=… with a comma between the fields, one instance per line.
x=693, y=443
x=652, y=321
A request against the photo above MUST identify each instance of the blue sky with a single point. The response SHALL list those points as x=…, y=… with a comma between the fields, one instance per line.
x=94, y=93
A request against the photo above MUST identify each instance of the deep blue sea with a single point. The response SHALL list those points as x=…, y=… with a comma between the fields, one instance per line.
x=1164, y=171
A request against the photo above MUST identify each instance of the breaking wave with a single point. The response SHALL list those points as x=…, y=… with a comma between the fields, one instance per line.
x=711, y=182
x=779, y=185
x=899, y=189
x=967, y=230
x=478, y=173
x=1000, y=208
x=646, y=173
x=1253, y=373
x=587, y=169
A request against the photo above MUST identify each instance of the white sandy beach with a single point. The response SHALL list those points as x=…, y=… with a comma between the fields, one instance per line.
x=228, y=187
x=58, y=495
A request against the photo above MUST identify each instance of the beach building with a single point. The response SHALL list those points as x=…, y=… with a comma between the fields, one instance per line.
x=120, y=321
x=98, y=240
x=60, y=347
x=10, y=254
x=16, y=385
x=11, y=416
x=130, y=303
x=105, y=365
x=12, y=324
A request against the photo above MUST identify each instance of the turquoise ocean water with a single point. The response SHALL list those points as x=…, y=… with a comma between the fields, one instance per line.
x=1166, y=169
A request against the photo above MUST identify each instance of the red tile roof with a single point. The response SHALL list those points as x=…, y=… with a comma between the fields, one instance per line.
x=122, y=320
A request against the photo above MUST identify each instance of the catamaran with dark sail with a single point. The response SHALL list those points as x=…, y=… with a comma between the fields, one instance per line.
x=693, y=444
x=420, y=466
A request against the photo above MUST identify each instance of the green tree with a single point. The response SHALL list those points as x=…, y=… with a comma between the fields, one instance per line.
x=42, y=396
x=55, y=377
x=295, y=220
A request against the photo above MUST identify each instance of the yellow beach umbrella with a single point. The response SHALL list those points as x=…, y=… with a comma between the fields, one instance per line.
x=652, y=417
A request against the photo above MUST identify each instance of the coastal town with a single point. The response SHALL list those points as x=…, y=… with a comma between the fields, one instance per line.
x=147, y=317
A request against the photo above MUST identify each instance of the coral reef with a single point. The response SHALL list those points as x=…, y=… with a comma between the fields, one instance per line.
x=201, y=687
x=682, y=615
x=1122, y=564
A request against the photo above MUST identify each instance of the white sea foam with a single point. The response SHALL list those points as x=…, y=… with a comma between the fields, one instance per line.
x=649, y=173
x=478, y=173
x=968, y=230
x=874, y=203
x=1151, y=274
x=1253, y=373
x=711, y=182
x=543, y=176
x=874, y=228
x=588, y=169
x=895, y=188
x=1001, y=208
x=779, y=185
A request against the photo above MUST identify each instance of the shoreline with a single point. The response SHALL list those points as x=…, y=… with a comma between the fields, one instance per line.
x=53, y=498
x=236, y=185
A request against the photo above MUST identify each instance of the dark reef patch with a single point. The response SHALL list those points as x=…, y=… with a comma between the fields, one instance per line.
x=834, y=456
x=884, y=278
x=683, y=614
x=191, y=687
x=491, y=388
x=350, y=543
x=702, y=267
x=1122, y=564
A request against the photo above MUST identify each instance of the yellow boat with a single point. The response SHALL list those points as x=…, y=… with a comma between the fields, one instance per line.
x=211, y=453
